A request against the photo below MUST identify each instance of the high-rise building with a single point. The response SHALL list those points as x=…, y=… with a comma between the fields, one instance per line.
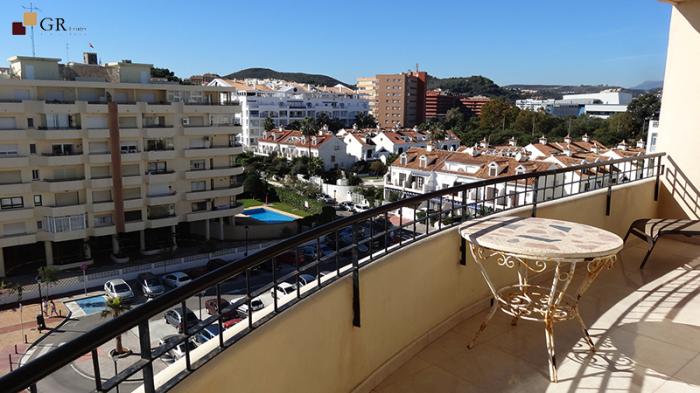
x=437, y=103
x=96, y=160
x=400, y=99
x=367, y=88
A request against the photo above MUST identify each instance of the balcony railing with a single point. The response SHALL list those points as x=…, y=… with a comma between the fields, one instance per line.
x=358, y=240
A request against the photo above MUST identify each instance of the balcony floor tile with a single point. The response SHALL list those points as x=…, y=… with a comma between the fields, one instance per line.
x=645, y=323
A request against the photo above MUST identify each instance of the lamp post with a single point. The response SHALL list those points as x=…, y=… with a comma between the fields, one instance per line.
x=41, y=298
x=83, y=267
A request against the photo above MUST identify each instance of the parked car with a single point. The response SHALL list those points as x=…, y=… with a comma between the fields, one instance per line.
x=306, y=279
x=178, y=351
x=255, y=303
x=345, y=206
x=283, y=288
x=174, y=317
x=176, y=279
x=206, y=334
x=326, y=199
x=360, y=208
x=150, y=284
x=118, y=288
x=213, y=308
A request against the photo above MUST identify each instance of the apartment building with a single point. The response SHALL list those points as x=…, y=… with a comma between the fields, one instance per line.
x=437, y=103
x=397, y=141
x=400, y=99
x=96, y=160
x=602, y=105
x=290, y=102
x=422, y=170
x=290, y=144
x=367, y=88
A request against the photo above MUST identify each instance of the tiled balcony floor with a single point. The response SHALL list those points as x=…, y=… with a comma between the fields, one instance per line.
x=646, y=326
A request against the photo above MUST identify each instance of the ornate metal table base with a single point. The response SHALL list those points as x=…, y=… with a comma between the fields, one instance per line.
x=538, y=303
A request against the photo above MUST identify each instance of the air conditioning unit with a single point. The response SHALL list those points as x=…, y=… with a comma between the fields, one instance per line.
x=185, y=121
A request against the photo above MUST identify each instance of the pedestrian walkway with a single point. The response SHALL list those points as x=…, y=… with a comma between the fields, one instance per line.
x=13, y=330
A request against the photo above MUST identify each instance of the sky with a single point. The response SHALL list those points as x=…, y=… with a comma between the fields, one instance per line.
x=614, y=42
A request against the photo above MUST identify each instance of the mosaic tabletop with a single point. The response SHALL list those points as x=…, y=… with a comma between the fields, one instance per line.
x=541, y=237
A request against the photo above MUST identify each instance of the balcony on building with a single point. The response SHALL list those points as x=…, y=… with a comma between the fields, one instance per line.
x=58, y=126
x=213, y=209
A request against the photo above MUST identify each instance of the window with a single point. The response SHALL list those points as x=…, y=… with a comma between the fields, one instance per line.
x=8, y=150
x=197, y=165
x=30, y=122
x=101, y=221
x=11, y=203
x=493, y=170
x=129, y=148
x=403, y=159
x=419, y=182
x=199, y=206
x=35, y=174
x=37, y=200
x=157, y=167
x=199, y=185
x=32, y=148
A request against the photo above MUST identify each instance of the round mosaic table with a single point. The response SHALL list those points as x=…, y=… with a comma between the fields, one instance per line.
x=534, y=245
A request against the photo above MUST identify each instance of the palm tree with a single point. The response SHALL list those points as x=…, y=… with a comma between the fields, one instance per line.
x=309, y=128
x=114, y=307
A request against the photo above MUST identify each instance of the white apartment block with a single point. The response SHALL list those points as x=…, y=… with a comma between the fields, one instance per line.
x=398, y=141
x=291, y=103
x=97, y=161
x=290, y=144
x=422, y=170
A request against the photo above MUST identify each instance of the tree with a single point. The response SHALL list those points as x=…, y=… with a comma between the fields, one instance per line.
x=48, y=275
x=365, y=120
x=377, y=168
x=372, y=194
x=497, y=114
x=254, y=186
x=268, y=124
x=641, y=109
x=315, y=166
x=531, y=122
x=164, y=73
x=113, y=308
x=308, y=129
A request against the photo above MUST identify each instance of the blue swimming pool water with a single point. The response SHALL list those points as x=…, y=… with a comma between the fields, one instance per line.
x=265, y=215
x=92, y=305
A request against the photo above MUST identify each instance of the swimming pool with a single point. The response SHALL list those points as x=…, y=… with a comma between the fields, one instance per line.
x=269, y=216
x=92, y=305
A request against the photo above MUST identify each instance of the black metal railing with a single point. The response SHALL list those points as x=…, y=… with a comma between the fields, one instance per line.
x=310, y=261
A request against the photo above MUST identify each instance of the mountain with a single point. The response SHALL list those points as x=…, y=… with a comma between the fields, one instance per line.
x=649, y=85
x=299, y=77
x=475, y=85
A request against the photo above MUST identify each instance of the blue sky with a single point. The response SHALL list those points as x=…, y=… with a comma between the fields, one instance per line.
x=617, y=42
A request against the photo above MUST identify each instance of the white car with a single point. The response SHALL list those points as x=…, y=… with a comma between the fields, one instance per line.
x=178, y=351
x=118, y=288
x=256, y=304
x=283, y=288
x=360, y=208
x=175, y=279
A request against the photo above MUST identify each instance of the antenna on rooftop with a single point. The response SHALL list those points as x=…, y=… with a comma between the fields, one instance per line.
x=31, y=8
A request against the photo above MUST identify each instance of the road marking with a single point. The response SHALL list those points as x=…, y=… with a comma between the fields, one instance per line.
x=47, y=348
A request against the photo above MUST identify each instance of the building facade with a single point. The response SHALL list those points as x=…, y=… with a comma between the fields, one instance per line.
x=367, y=88
x=290, y=144
x=96, y=160
x=290, y=103
x=400, y=99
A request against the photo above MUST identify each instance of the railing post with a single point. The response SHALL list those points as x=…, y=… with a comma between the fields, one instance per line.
x=145, y=345
x=658, y=179
x=96, y=370
x=608, y=197
x=535, y=190
x=355, y=280
x=463, y=251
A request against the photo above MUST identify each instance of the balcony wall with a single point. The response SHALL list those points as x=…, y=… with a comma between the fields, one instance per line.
x=408, y=299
